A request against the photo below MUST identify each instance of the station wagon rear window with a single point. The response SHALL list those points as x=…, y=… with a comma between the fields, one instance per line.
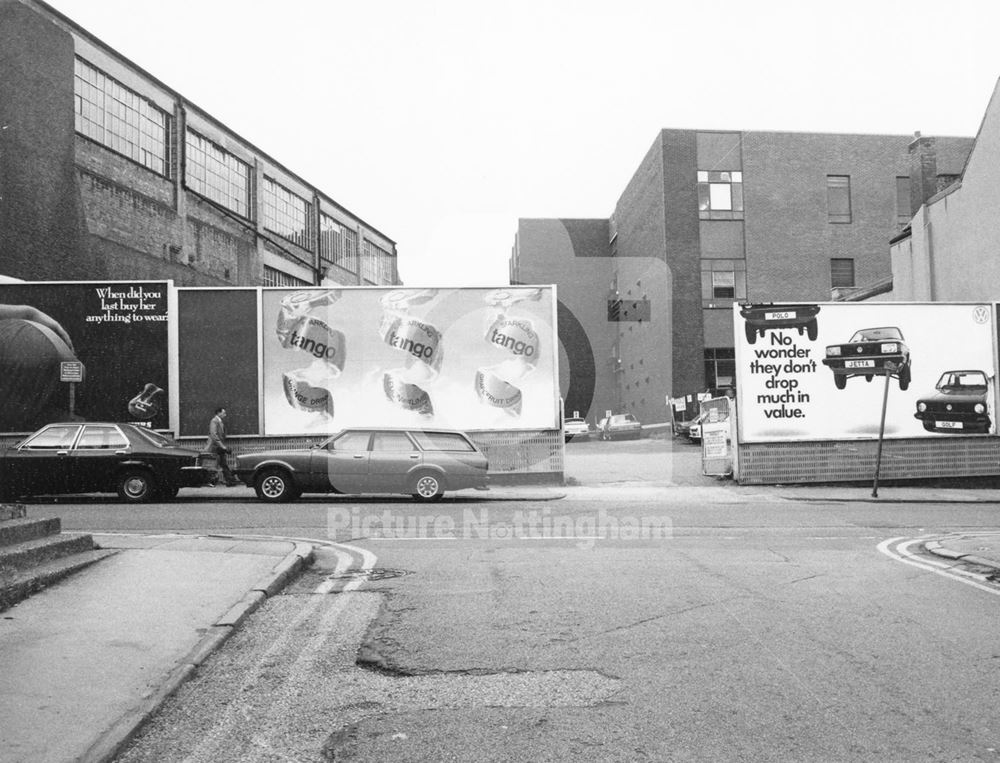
x=442, y=441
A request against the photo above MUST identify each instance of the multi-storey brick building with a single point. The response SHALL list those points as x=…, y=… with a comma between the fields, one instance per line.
x=709, y=218
x=108, y=173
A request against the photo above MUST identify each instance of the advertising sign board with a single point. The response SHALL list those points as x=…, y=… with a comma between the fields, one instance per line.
x=456, y=358
x=108, y=338
x=818, y=371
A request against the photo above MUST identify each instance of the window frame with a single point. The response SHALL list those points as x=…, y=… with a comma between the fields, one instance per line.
x=836, y=193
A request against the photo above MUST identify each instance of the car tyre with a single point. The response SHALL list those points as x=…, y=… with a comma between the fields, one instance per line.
x=840, y=381
x=751, y=333
x=136, y=486
x=427, y=486
x=904, y=378
x=812, y=330
x=275, y=486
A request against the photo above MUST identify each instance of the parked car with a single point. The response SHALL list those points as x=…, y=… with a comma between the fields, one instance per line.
x=620, y=426
x=420, y=462
x=959, y=406
x=576, y=429
x=758, y=319
x=694, y=431
x=869, y=353
x=135, y=462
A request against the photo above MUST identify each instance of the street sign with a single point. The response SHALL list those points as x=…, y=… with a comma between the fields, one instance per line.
x=71, y=371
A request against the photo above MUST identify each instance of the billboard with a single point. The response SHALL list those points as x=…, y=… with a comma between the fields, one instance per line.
x=819, y=371
x=463, y=358
x=85, y=350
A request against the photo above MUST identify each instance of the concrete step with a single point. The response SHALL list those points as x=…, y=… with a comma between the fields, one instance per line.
x=19, y=530
x=17, y=585
x=41, y=550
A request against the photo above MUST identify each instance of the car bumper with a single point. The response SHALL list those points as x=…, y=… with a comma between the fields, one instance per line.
x=196, y=476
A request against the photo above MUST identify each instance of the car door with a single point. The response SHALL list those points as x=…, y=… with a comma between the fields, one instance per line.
x=95, y=459
x=42, y=463
x=342, y=463
x=393, y=457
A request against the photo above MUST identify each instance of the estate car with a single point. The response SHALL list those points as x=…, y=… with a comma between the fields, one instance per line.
x=575, y=428
x=869, y=353
x=959, y=406
x=137, y=463
x=419, y=462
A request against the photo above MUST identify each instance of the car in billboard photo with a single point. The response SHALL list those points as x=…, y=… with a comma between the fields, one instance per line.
x=423, y=463
x=576, y=429
x=137, y=463
x=759, y=319
x=622, y=426
x=869, y=353
x=959, y=406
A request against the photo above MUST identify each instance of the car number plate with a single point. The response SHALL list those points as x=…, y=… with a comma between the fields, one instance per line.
x=948, y=424
x=859, y=364
x=778, y=316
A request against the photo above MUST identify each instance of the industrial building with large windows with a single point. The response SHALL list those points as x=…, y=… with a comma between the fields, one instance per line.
x=107, y=173
x=710, y=218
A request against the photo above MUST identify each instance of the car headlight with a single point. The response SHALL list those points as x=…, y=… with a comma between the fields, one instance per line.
x=889, y=348
x=921, y=406
x=980, y=408
x=832, y=351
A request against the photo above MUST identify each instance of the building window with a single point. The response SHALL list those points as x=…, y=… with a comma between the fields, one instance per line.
x=903, y=201
x=720, y=367
x=108, y=112
x=841, y=272
x=287, y=215
x=720, y=195
x=723, y=284
x=838, y=198
x=275, y=277
x=376, y=264
x=333, y=244
x=216, y=174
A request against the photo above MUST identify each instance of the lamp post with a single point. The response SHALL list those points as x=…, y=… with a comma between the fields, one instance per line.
x=890, y=367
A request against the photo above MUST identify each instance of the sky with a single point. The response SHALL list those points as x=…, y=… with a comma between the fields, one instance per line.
x=441, y=122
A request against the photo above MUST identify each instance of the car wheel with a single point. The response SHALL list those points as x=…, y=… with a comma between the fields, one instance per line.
x=868, y=377
x=840, y=381
x=275, y=486
x=427, y=486
x=904, y=378
x=929, y=426
x=136, y=486
x=812, y=330
x=751, y=333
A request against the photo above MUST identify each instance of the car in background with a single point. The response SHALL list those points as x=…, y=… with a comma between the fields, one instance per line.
x=869, y=353
x=620, y=426
x=759, y=319
x=137, y=463
x=959, y=406
x=423, y=463
x=694, y=431
x=575, y=428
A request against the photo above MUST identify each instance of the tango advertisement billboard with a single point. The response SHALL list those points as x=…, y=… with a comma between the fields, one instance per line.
x=462, y=358
x=88, y=351
x=819, y=371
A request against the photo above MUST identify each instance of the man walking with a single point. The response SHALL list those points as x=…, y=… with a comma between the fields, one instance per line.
x=217, y=445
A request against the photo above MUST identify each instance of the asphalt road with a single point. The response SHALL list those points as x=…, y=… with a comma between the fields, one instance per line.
x=765, y=630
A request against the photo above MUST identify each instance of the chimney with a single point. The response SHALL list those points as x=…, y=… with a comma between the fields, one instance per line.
x=923, y=170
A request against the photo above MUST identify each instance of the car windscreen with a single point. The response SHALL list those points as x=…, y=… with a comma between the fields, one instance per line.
x=876, y=335
x=442, y=441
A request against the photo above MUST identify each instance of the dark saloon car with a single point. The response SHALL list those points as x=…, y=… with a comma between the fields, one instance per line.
x=758, y=319
x=99, y=457
x=958, y=406
x=869, y=353
x=419, y=462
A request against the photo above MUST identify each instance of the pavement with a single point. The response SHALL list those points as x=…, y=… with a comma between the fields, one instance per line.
x=85, y=662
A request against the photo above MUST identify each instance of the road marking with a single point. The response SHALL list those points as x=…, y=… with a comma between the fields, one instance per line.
x=904, y=555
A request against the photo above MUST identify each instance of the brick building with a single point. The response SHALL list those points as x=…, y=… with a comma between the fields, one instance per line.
x=107, y=173
x=709, y=218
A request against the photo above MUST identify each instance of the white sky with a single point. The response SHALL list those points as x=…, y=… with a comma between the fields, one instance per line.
x=441, y=122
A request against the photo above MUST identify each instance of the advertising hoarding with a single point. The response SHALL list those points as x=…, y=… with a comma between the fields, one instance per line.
x=469, y=358
x=106, y=339
x=818, y=371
